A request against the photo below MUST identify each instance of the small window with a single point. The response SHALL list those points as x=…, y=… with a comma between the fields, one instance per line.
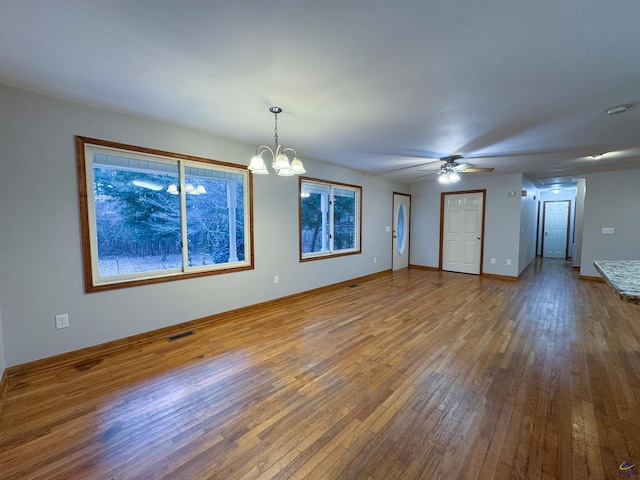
x=150, y=216
x=330, y=222
x=401, y=229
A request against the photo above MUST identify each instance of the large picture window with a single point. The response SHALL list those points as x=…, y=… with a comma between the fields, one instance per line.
x=330, y=222
x=151, y=216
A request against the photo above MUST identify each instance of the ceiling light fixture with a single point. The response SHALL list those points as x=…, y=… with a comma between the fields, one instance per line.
x=448, y=175
x=619, y=109
x=279, y=159
x=598, y=155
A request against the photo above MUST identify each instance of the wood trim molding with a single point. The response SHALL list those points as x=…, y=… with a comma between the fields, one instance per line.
x=104, y=349
x=424, y=267
x=531, y=263
x=590, y=278
x=495, y=276
x=4, y=381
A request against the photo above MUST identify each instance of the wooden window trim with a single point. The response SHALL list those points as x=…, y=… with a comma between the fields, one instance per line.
x=90, y=287
x=323, y=256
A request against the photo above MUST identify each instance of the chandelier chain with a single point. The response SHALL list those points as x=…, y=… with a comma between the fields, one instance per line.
x=275, y=129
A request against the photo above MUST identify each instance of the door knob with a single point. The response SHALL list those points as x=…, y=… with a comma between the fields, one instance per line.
x=478, y=237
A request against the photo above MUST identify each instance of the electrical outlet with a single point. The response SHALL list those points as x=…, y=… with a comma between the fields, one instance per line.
x=493, y=261
x=375, y=259
x=276, y=279
x=62, y=321
x=508, y=261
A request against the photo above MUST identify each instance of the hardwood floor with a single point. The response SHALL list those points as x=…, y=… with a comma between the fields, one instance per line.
x=414, y=375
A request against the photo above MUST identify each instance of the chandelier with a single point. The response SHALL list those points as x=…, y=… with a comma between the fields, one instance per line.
x=279, y=156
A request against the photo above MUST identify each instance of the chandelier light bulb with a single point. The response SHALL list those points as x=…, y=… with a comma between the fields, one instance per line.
x=297, y=167
x=257, y=166
x=282, y=162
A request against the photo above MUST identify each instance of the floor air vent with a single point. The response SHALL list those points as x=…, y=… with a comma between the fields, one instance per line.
x=354, y=285
x=179, y=336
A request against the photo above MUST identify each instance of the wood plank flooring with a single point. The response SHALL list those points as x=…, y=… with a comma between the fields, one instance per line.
x=414, y=375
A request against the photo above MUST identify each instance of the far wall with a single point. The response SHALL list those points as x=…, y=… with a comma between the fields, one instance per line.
x=502, y=231
x=612, y=200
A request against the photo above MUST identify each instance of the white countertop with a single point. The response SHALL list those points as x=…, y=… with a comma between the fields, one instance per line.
x=623, y=276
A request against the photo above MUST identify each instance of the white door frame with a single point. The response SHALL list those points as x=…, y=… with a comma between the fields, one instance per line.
x=443, y=198
x=403, y=198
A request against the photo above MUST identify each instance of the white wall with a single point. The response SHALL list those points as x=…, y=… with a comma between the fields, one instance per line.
x=41, y=271
x=612, y=200
x=528, y=222
x=502, y=221
x=577, y=236
x=548, y=196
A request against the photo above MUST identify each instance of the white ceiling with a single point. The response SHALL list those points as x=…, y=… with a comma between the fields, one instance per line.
x=374, y=85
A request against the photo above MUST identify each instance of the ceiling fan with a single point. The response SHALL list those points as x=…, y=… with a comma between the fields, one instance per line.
x=449, y=170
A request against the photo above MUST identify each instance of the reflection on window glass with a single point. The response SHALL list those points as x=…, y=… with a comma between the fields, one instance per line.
x=315, y=218
x=344, y=219
x=137, y=221
x=215, y=220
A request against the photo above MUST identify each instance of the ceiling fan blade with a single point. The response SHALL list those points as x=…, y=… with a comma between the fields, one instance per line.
x=476, y=170
x=434, y=163
x=432, y=169
x=461, y=167
x=426, y=175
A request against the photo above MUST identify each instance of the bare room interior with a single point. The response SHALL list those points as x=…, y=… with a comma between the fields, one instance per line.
x=319, y=240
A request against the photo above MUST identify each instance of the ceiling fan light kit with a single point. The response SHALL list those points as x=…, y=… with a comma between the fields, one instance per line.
x=450, y=170
x=448, y=176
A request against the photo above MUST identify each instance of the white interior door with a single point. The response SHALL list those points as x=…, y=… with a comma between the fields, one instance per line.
x=462, y=232
x=401, y=215
x=556, y=222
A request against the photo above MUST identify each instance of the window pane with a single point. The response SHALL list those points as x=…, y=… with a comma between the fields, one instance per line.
x=137, y=219
x=400, y=228
x=344, y=219
x=215, y=217
x=315, y=217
